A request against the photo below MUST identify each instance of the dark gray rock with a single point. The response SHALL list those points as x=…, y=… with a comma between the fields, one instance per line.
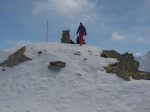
x=39, y=52
x=56, y=65
x=16, y=58
x=77, y=53
x=3, y=69
x=85, y=59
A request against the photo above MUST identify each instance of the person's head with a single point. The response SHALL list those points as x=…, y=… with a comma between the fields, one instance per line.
x=81, y=24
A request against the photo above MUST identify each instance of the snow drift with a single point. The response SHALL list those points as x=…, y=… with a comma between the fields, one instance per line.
x=81, y=86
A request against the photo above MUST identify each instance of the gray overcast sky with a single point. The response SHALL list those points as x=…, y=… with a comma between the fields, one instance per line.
x=122, y=25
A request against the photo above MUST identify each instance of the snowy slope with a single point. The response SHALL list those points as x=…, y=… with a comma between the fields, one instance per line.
x=145, y=62
x=82, y=86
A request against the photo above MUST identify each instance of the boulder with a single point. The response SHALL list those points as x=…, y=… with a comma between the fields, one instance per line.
x=3, y=69
x=77, y=53
x=56, y=65
x=39, y=52
x=16, y=58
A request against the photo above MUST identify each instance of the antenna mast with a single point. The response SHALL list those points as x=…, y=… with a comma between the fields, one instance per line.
x=46, y=39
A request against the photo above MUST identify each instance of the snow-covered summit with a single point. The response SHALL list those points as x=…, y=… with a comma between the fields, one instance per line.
x=82, y=86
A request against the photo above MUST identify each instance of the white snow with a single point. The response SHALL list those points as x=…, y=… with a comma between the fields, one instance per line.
x=82, y=86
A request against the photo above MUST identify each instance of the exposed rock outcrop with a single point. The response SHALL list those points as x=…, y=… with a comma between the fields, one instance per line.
x=16, y=58
x=126, y=67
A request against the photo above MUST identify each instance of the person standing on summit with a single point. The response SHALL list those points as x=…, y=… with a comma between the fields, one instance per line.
x=81, y=31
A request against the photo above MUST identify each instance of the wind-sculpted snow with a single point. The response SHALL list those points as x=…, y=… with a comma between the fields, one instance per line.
x=81, y=86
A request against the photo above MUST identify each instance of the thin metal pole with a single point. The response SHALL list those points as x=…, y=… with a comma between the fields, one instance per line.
x=46, y=40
